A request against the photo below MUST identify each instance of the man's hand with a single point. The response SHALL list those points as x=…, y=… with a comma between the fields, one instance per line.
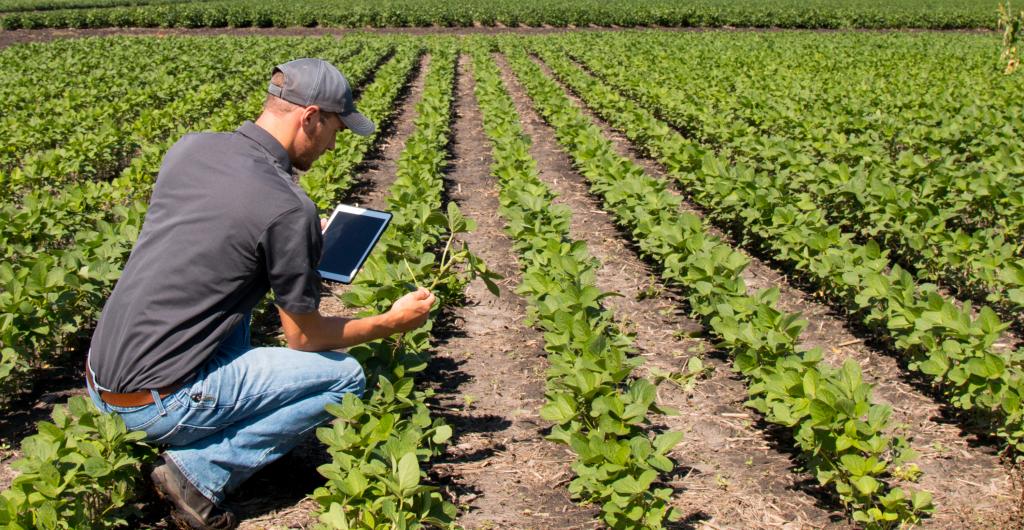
x=315, y=332
x=323, y=224
x=411, y=311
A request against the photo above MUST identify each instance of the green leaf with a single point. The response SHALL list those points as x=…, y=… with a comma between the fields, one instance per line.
x=560, y=410
x=866, y=484
x=97, y=467
x=335, y=517
x=663, y=443
x=855, y=464
x=822, y=413
x=442, y=434
x=922, y=501
x=408, y=472
x=457, y=222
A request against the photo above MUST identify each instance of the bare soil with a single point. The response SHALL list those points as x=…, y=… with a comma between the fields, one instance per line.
x=971, y=487
x=489, y=368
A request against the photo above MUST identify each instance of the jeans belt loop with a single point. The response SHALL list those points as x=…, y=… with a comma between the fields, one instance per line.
x=159, y=402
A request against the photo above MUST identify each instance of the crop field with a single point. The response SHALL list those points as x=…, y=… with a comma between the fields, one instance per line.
x=936, y=14
x=712, y=279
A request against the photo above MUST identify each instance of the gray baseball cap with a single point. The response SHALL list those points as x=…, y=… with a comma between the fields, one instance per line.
x=317, y=82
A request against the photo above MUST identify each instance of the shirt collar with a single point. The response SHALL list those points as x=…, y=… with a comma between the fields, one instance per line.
x=267, y=142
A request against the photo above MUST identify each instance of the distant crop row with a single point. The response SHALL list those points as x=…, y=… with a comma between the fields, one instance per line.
x=8, y=6
x=936, y=14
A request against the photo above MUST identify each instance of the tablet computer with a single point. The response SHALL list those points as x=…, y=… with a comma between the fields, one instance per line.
x=349, y=236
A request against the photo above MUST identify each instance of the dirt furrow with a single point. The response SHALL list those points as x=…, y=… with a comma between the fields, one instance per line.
x=971, y=487
x=371, y=187
x=731, y=474
x=489, y=369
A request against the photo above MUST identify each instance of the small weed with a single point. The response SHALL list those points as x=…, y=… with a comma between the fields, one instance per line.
x=908, y=472
x=684, y=379
x=653, y=289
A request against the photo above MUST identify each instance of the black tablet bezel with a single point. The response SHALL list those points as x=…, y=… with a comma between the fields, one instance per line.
x=386, y=216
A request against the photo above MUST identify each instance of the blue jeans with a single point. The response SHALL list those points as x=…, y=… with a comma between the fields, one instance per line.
x=245, y=408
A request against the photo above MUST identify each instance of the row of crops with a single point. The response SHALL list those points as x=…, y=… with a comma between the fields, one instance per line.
x=13, y=6
x=879, y=169
x=842, y=250
x=936, y=14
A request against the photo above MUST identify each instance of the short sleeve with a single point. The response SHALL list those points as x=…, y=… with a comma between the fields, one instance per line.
x=291, y=247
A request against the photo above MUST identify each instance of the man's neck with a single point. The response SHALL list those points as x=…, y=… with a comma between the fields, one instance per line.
x=280, y=128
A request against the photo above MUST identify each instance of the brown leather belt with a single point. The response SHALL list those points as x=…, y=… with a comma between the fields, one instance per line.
x=130, y=399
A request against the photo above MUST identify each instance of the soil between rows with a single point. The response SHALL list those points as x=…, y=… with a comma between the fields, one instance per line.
x=971, y=487
x=489, y=367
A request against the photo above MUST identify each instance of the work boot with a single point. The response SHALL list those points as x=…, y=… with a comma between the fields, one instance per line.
x=192, y=510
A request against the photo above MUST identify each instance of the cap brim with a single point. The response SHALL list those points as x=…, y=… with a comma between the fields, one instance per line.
x=358, y=123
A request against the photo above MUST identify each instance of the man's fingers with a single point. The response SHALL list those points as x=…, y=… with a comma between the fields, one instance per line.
x=414, y=308
x=323, y=224
x=427, y=302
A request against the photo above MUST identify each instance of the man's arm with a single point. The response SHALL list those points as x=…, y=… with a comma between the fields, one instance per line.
x=315, y=332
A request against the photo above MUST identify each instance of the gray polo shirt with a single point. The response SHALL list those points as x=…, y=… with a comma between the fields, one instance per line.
x=225, y=224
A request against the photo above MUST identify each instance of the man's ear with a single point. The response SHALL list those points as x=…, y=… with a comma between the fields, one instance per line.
x=310, y=116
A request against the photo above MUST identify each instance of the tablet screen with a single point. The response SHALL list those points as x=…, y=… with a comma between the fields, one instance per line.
x=350, y=235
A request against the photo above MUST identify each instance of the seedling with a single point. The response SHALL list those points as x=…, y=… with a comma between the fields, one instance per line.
x=908, y=472
x=653, y=289
x=685, y=379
